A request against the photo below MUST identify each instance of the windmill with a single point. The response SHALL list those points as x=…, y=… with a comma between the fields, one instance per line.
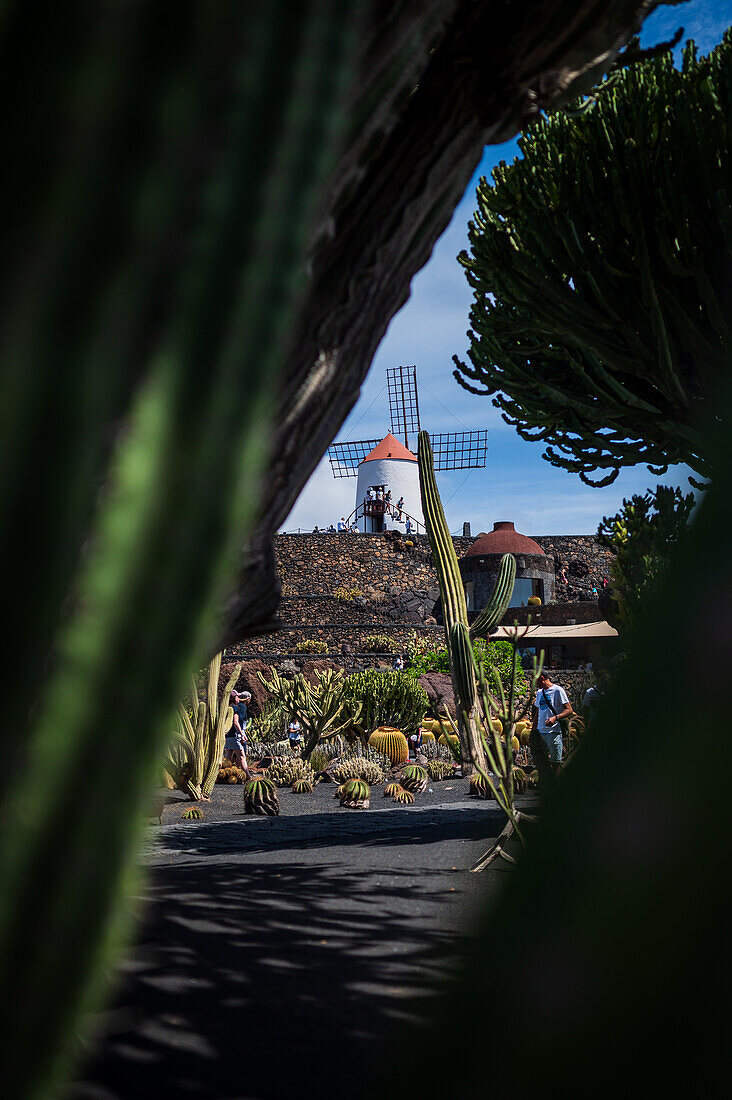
x=386, y=468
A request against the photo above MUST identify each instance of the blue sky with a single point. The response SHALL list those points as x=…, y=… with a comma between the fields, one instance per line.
x=517, y=483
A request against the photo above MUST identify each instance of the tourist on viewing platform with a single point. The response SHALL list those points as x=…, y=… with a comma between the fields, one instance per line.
x=316, y=530
x=387, y=496
x=550, y=706
x=342, y=524
x=398, y=665
x=400, y=505
x=408, y=527
x=331, y=528
x=370, y=495
x=354, y=529
x=379, y=493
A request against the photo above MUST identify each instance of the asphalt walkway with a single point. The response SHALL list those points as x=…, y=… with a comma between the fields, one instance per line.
x=284, y=956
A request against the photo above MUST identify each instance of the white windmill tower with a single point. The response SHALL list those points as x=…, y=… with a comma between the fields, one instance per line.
x=387, y=469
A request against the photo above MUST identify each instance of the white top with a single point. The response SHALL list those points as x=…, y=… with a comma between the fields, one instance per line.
x=341, y=525
x=558, y=698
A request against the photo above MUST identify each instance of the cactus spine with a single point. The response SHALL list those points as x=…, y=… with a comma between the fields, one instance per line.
x=454, y=608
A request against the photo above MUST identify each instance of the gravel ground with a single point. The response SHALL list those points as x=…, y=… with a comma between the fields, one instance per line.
x=290, y=954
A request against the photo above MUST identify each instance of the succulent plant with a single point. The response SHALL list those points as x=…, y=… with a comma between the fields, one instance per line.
x=355, y=794
x=302, y=786
x=414, y=778
x=260, y=797
x=439, y=770
x=285, y=770
x=321, y=757
x=404, y=796
x=520, y=781
x=432, y=750
x=338, y=791
x=391, y=789
x=352, y=766
x=193, y=814
x=428, y=735
x=478, y=786
x=391, y=742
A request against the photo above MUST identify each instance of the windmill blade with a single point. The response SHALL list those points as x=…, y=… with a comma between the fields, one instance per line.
x=345, y=457
x=460, y=450
x=403, y=402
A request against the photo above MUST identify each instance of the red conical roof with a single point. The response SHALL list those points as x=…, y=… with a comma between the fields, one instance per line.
x=504, y=539
x=390, y=447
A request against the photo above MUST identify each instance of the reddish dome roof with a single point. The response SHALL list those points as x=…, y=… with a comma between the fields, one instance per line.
x=503, y=539
x=390, y=447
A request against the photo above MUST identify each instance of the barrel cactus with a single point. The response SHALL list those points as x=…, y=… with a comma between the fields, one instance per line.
x=302, y=786
x=439, y=770
x=392, y=743
x=403, y=796
x=428, y=735
x=414, y=778
x=355, y=794
x=192, y=815
x=391, y=789
x=260, y=797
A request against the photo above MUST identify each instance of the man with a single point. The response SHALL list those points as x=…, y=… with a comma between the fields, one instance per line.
x=551, y=705
x=591, y=699
x=236, y=739
x=342, y=524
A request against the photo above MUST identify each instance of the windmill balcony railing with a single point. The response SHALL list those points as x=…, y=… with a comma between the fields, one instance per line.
x=377, y=509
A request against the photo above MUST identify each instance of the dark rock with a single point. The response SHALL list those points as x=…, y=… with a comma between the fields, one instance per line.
x=438, y=686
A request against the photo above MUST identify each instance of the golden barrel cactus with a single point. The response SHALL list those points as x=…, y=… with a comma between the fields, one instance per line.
x=392, y=743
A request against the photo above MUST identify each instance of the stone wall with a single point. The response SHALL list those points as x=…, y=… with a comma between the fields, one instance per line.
x=338, y=588
x=585, y=560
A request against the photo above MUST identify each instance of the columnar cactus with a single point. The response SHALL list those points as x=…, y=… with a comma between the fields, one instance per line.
x=322, y=709
x=454, y=608
x=194, y=757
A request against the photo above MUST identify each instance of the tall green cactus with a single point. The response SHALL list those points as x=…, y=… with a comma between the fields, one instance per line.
x=322, y=709
x=167, y=171
x=194, y=756
x=454, y=608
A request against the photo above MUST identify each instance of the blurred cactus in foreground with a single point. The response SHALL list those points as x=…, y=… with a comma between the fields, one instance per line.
x=158, y=216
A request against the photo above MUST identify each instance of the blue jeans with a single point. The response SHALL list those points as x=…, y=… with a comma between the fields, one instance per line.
x=553, y=742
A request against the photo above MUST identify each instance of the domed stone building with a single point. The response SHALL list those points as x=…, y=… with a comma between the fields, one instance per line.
x=480, y=564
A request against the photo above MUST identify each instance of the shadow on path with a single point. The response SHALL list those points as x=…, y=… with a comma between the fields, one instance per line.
x=276, y=978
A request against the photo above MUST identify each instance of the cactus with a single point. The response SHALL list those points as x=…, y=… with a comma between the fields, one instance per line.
x=352, y=766
x=392, y=743
x=323, y=709
x=479, y=786
x=414, y=778
x=404, y=796
x=391, y=789
x=454, y=609
x=439, y=770
x=194, y=814
x=260, y=797
x=194, y=756
x=388, y=699
x=284, y=771
x=355, y=794
x=302, y=786
x=428, y=735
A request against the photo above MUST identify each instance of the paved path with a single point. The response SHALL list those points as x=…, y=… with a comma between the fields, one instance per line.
x=281, y=957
